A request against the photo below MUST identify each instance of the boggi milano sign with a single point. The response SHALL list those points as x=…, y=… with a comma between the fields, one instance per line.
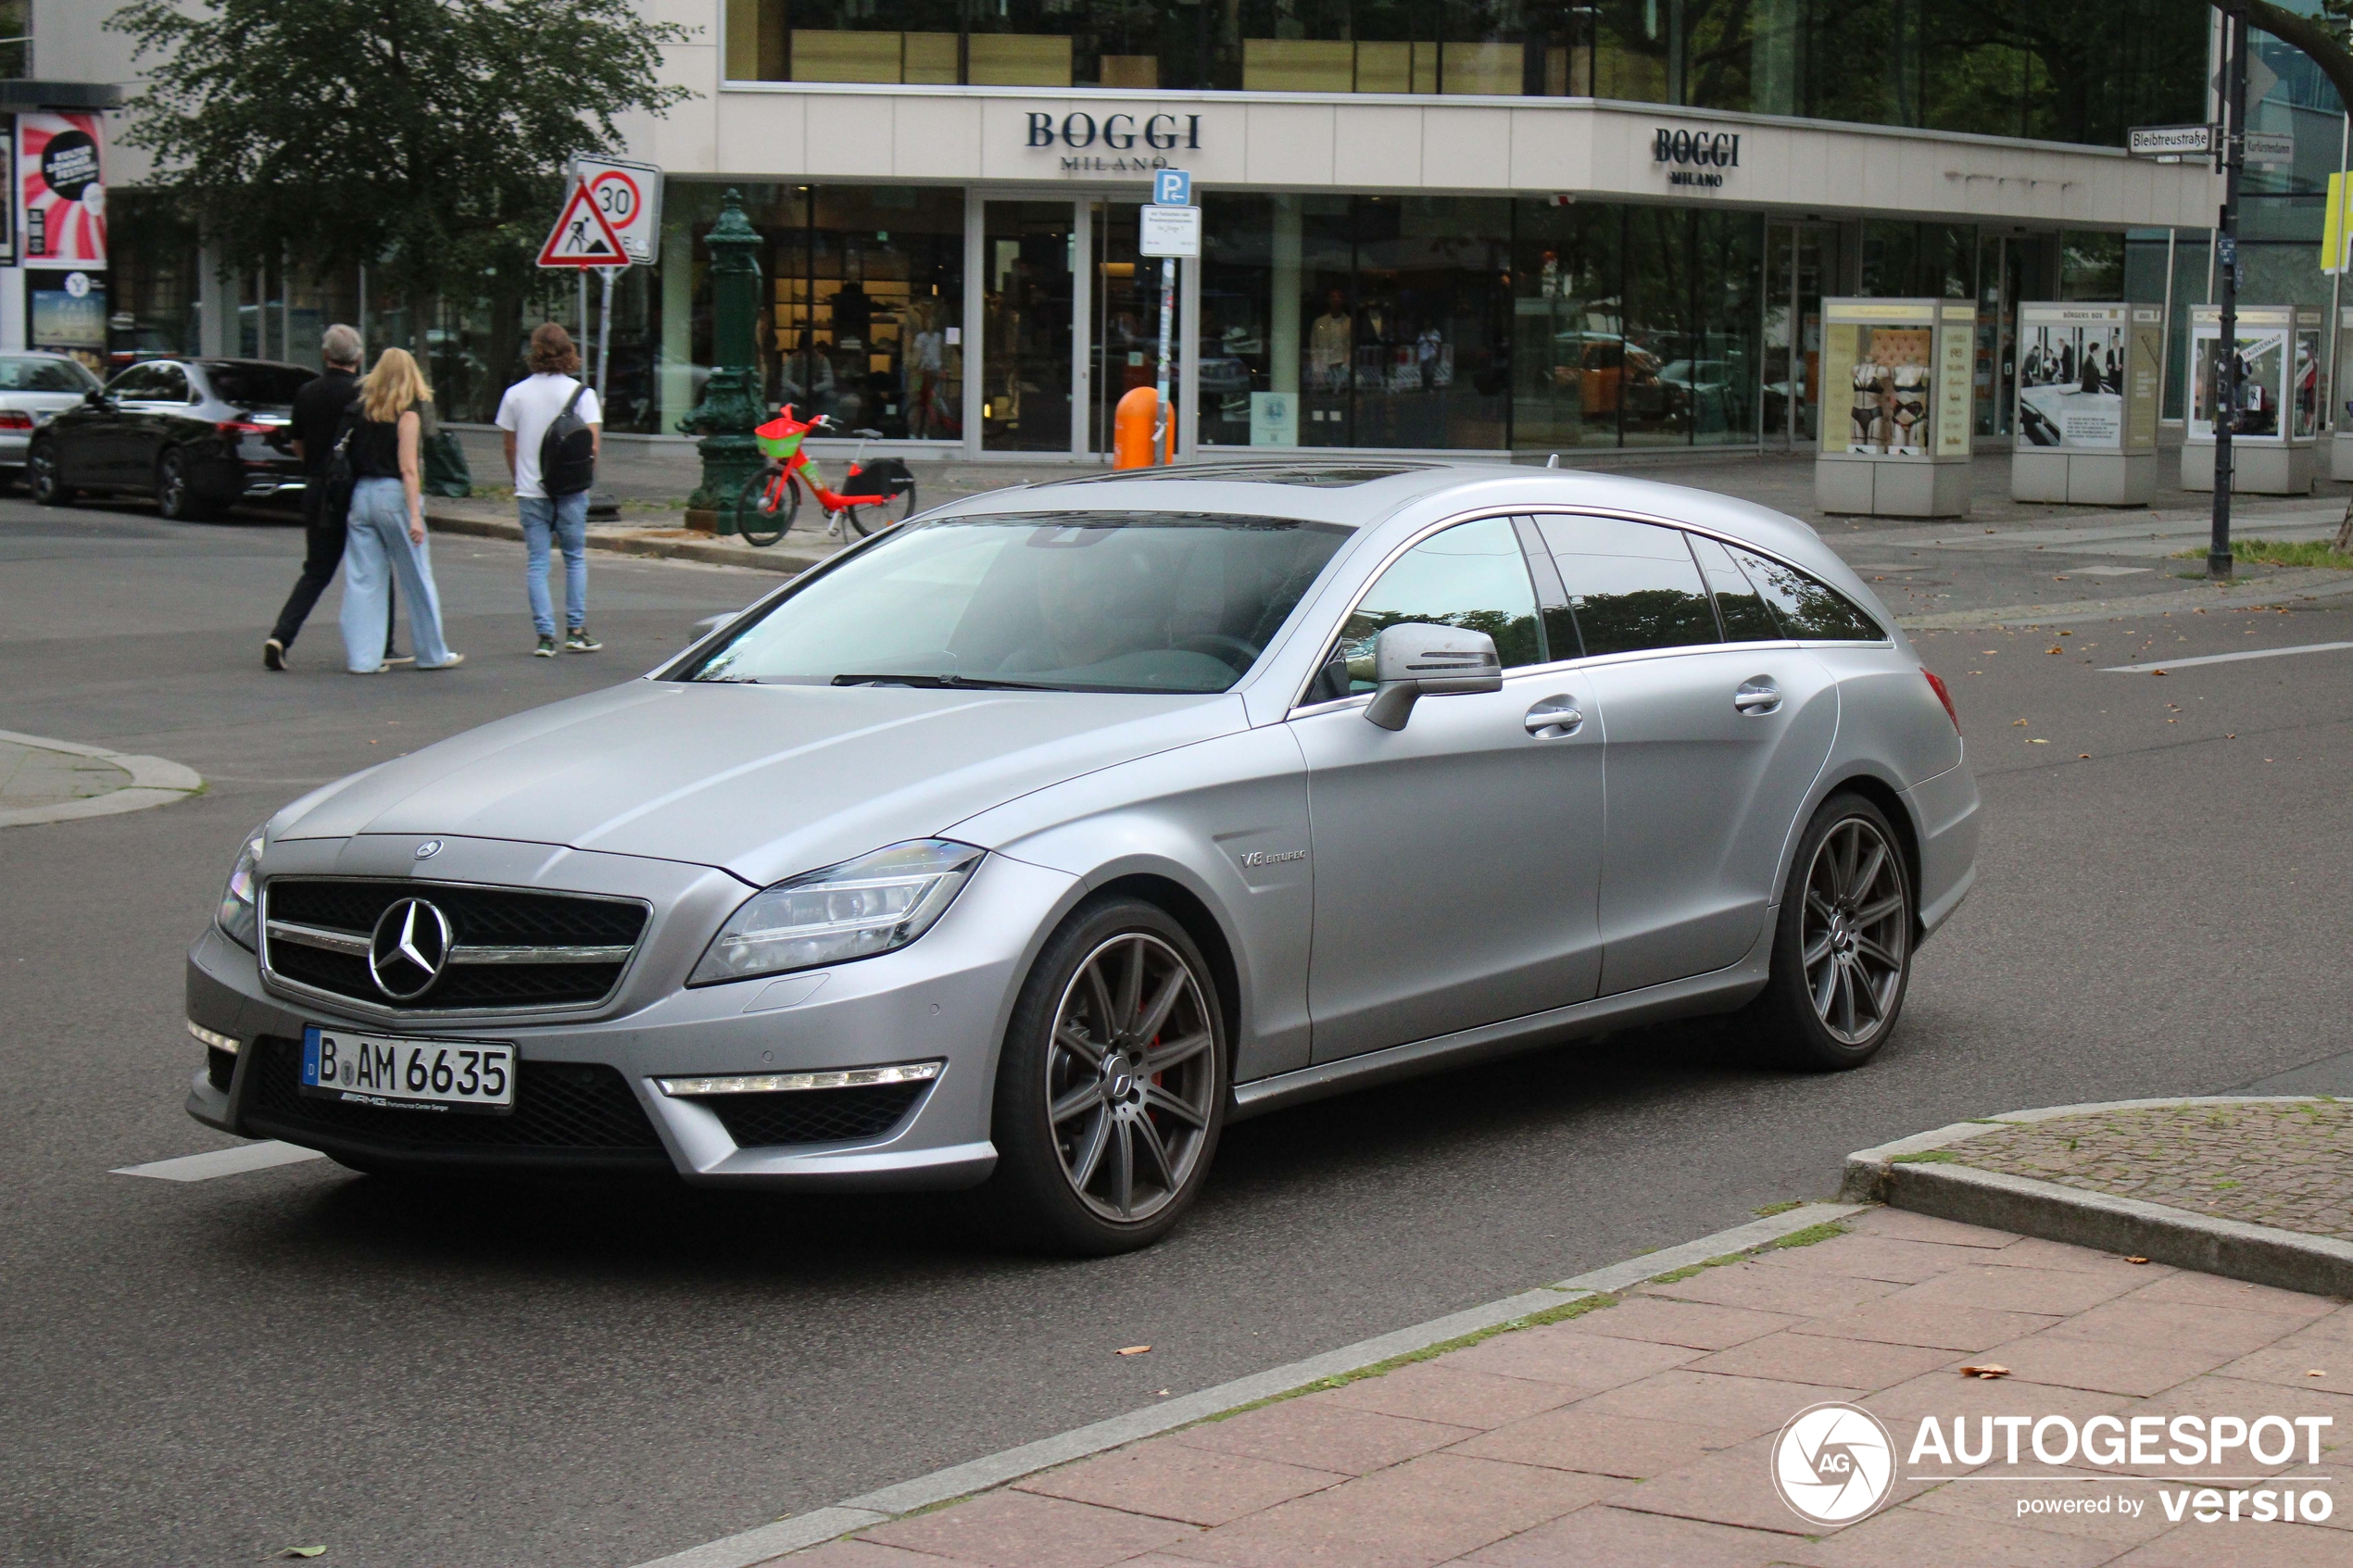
x=1132, y=143
x=1694, y=158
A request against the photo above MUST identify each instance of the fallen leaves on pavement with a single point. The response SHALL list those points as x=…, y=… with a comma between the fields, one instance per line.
x=1132, y=1351
x=1990, y=1370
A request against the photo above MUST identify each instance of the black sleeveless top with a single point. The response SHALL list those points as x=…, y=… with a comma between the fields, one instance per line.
x=375, y=443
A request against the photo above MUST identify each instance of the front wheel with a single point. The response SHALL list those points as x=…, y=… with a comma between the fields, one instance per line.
x=1843, y=946
x=1112, y=1087
x=765, y=507
x=41, y=476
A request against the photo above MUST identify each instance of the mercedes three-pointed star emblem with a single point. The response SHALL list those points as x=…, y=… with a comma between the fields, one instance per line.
x=410, y=945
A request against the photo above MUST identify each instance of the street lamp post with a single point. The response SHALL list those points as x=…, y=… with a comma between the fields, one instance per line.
x=731, y=405
x=2226, y=244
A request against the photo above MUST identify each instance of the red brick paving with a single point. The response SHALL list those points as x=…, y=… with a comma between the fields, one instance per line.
x=1640, y=1433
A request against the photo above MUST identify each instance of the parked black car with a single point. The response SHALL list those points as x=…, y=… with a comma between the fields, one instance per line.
x=197, y=435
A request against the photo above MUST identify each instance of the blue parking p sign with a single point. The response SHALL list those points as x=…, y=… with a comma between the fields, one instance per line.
x=1172, y=187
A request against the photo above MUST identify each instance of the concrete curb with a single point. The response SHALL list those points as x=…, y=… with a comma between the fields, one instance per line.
x=2316, y=583
x=2318, y=1265
x=819, y=1525
x=155, y=781
x=773, y=560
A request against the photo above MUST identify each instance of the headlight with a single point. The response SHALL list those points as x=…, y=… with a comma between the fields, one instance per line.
x=853, y=910
x=237, y=913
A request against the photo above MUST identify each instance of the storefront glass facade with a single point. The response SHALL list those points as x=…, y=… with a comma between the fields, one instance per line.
x=2003, y=68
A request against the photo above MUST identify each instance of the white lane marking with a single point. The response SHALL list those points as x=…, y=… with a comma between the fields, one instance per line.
x=2221, y=658
x=222, y=1162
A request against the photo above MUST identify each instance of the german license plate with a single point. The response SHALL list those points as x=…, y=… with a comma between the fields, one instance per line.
x=404, y=1073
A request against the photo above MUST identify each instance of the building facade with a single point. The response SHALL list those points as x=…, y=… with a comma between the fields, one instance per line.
x=1486, y=228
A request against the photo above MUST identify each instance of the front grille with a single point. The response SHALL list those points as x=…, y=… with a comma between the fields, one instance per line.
x=479, y=917
x=814, y=1115
x=562, y=1107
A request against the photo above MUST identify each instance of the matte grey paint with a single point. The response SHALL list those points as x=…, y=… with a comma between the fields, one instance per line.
x=1390, y=901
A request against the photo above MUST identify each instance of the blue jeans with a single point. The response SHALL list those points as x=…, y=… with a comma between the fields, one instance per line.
x=562, y=520
x=376, y=551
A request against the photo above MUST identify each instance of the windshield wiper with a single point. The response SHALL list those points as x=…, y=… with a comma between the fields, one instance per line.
x=946, y=682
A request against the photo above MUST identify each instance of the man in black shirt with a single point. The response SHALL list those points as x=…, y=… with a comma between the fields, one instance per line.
x=318, y=412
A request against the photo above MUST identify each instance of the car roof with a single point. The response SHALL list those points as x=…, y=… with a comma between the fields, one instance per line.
x=1368, y=491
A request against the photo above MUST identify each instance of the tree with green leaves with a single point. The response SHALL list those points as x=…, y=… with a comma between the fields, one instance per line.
x=425, y=139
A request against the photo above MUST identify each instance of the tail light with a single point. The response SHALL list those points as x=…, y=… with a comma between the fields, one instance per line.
x=245, y=427
x=14, y=419
x=1945, y=697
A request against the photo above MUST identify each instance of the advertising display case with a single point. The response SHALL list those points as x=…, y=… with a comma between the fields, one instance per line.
x=1896, y=433
x=2087, y=403
x=2279, y=413
x=2341, y=421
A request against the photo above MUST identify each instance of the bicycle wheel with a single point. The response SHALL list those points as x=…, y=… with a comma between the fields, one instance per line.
x=882, y=515
x=766, y=506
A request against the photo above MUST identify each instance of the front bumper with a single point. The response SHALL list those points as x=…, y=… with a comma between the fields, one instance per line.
x=947, y=996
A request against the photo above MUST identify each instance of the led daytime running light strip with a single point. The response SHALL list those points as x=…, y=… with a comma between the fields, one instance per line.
x=789, y=1083
x=217, y=1042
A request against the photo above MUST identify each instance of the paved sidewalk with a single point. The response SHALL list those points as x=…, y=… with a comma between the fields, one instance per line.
x=2284, y=1163
x=1639, y=1430
x=50, y=781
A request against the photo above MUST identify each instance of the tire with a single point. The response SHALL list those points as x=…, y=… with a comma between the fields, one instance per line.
x=867, y=521
x=1850, y=903
x=176, y=496
x=41, y=479
x=759, y=522
x=1115, y=1171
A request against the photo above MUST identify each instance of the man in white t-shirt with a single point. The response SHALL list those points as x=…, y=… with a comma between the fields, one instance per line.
x=529, y=408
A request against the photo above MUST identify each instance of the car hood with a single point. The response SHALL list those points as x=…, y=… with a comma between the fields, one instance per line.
x=765, y=781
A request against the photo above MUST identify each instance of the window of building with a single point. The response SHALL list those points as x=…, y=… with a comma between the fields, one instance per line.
x=16, y=38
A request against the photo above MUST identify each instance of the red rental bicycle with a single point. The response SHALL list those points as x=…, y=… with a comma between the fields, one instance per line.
x=872, y=496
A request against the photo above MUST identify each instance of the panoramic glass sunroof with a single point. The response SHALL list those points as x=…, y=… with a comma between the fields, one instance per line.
x=1313, y=476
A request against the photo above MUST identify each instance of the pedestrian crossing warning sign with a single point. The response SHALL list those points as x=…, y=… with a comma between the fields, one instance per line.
x=583, y=237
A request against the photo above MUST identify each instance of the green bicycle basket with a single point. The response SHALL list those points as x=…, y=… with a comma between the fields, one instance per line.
x=780, y=438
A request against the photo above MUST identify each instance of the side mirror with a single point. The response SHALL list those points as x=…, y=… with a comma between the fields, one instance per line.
x=96, y=397
x=1413, y=661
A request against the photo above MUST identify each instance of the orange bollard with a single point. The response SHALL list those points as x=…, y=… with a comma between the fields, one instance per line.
x=1132, y=424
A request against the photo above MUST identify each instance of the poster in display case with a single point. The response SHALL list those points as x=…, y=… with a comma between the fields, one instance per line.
x=2277, y=348
x=1900, y=368
x=2087, y=402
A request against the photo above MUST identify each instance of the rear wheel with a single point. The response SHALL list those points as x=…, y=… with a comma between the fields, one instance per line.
x=1112, y=1087
x=41, y=475
x=176, y=496
x=1842, y=947
x=765, y=507
x=883, y=514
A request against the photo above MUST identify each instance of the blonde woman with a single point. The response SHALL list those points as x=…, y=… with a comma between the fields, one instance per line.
x=387, y=526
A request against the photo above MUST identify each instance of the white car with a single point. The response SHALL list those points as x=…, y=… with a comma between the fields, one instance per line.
x=32, y=388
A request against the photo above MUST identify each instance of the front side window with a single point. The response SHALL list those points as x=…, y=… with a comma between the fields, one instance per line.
x=1471, y=575
x=1808, y=609
x=1070, y=601
x=138, y=384
x=1632, y=584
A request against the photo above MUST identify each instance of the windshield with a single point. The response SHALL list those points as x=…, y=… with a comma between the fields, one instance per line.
x=30, y=374
x=257, y=386
x=1072, y=601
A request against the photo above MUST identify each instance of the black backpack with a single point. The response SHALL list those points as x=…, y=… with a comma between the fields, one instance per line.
x=568, y=452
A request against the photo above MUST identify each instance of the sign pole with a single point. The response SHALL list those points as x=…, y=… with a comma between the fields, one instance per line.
x=1160, y=386
x=604, y=334
x=2217, y=550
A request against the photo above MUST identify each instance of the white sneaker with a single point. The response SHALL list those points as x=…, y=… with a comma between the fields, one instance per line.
x=452, y=662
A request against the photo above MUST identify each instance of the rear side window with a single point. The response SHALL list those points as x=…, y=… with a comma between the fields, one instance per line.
x=1808, y=609
x=1632, y=584
x=1738, y=604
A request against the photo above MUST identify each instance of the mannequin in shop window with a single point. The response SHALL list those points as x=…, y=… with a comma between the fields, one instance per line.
x=1327, y=345
x=808, y=377
x=926, y=369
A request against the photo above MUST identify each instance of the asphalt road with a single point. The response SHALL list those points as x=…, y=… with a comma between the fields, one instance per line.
x=204, y=1373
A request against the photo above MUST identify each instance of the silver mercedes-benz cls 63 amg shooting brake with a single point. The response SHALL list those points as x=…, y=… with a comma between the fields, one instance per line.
x=1023, y=847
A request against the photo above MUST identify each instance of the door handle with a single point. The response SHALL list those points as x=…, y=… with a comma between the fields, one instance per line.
x=1759, y=697
x=1554, y=717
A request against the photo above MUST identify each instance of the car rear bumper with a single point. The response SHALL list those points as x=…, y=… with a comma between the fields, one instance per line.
x=599, y=1102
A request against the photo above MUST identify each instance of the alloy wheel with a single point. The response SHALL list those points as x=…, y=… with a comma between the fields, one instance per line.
x=1857, y=931
x=171, y=486
x=1130, y=1073
x=41, y=475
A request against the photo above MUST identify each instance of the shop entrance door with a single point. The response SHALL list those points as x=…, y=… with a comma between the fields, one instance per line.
x=1028, y=249
x=1801, y=265
x=1124, y=326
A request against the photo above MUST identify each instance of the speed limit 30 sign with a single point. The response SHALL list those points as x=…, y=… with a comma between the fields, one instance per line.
x=629, y=194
